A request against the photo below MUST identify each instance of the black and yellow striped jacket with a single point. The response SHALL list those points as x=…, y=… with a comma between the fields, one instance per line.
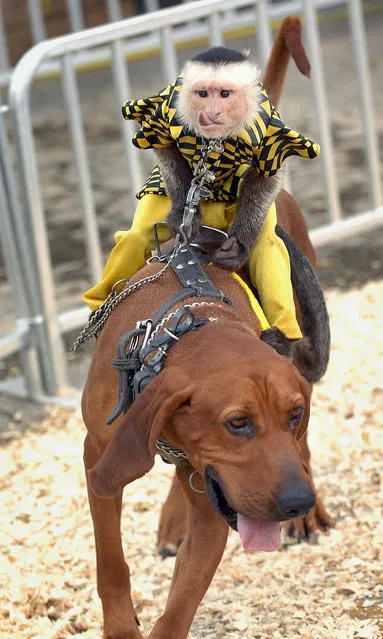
x=265, y=144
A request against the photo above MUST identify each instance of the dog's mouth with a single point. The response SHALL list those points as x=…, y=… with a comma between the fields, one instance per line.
x=255, y=535
x=218, y=498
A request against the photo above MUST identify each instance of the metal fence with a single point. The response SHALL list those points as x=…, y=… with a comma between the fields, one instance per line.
x=76, y=20
x=36, y=21
x=38, y=336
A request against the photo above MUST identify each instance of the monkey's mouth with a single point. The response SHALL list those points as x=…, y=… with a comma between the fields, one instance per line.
x=205, y=121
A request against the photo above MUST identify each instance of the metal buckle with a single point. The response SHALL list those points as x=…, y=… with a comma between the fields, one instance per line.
x=113, y=289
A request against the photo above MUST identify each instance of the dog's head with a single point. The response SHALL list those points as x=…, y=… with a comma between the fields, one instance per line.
x=238, y=409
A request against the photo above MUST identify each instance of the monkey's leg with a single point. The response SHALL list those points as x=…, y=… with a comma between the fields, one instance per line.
x=132, y=247
x=269, y=266
x=257, y=195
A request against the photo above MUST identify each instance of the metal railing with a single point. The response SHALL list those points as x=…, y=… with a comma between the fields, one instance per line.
x=42, y=327
x=37, y=23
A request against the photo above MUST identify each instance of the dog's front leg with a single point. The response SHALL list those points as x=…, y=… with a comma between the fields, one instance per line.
x=197, y=560
x=173, y=520
x=113, y=582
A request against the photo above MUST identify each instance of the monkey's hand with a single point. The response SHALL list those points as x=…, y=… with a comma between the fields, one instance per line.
x=175, y=217
x=232, y=254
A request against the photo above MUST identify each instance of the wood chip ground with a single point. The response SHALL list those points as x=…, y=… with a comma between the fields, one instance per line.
x=330, y=589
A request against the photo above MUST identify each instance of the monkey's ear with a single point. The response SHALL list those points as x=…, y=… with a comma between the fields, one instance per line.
x=130, y=453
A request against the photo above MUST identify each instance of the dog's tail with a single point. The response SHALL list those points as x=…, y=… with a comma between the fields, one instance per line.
x=311, y=354
x=288, y=43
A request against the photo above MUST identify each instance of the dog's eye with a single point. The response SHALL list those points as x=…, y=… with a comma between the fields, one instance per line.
x=240, y=426
x=296, y=417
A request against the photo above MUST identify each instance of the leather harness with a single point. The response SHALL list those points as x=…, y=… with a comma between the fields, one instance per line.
x=141, y=352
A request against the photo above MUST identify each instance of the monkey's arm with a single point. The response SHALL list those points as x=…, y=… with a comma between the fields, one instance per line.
x=257, y=194
x=177, y=176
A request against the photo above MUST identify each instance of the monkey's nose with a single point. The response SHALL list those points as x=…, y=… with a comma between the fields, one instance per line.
x=213, y=115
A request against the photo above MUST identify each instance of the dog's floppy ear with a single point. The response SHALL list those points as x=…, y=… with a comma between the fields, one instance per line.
x=130, y=453
x=306, y=392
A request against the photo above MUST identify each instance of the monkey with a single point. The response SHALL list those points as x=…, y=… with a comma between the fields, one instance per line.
x=218, y=97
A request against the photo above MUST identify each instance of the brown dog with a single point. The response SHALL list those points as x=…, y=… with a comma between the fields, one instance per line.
x=237, y=408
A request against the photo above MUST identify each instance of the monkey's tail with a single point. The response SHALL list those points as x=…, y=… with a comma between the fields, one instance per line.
x=287, y=43
x=311, y=354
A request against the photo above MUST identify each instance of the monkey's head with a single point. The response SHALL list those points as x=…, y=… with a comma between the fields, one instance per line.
x=220, y=93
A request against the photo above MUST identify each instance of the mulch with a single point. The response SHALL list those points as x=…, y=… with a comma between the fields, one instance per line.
x=331, y=588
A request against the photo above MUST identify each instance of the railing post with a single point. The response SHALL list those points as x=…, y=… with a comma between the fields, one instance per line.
x=24, y=326
x=36, y=21
x=327, y=153
x=76, y=17
x=4, y=57
x=168, y=55
x=216, y=39
x=265, y=39
x=30, y=228
x=73, y=109
x=128, y=128
x=365, y=92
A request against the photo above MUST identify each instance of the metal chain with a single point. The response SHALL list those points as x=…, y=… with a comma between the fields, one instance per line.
x=98, y=318
x=197, y=189
x=168, y=317
x=169, y=452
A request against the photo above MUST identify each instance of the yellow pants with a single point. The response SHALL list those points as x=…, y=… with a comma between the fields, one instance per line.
x=269, y=262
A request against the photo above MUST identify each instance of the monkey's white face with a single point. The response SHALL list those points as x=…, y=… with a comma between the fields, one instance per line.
x=217, y=109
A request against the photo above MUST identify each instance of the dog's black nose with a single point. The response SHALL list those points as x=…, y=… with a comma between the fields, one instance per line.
x=295, y=499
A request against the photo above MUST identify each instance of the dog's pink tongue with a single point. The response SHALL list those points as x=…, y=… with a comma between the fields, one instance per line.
x=259, y=535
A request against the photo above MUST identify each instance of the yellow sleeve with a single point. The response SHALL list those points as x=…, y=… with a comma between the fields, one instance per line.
x=152, y=114
x=278, y=143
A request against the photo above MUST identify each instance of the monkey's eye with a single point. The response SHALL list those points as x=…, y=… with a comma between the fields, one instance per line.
x=296, y=417
x=241, y=425
x=225, y=93
x=202, y=94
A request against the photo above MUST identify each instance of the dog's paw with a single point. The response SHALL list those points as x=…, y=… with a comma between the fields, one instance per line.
x=231, y=255
x=168, y=549
x=173, y=522
x=307, y=528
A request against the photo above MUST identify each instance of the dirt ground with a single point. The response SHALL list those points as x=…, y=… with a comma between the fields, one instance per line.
x=330, y=589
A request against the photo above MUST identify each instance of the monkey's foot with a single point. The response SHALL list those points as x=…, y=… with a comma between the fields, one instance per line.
x=277, y=340
x=231, y=254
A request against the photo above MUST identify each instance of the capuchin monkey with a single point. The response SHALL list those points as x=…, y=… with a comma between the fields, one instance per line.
x=219, y=98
